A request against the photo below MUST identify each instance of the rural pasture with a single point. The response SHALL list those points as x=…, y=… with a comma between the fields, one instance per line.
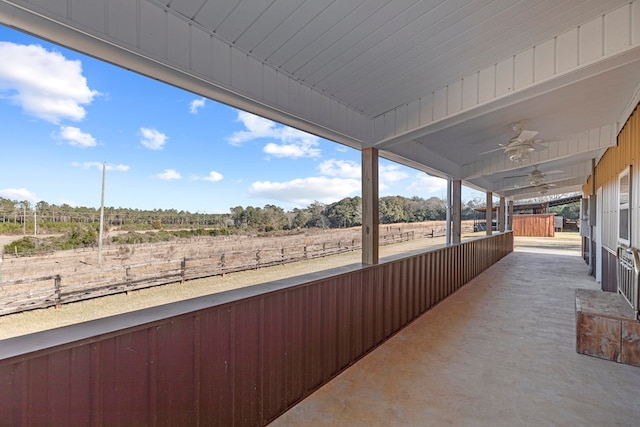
x=61, y=277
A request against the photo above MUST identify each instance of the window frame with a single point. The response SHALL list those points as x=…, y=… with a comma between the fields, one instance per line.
x=624, y=205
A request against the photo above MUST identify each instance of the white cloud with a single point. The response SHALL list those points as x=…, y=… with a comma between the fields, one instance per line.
x=195, y=105
x=428, y=184
x=304, y=191
x=19, y=194
x=76, y=137
x=340, y=168
x=153, y=139
x=43, y=83
x=257, y=127
x=169, y=175
x=291, y=142
x=212, y=177
x=294, y=150
x=350, y=169
x=98, y=165
x=391, y=173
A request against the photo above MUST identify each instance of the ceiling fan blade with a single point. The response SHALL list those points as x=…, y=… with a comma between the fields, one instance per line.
x=516, y=176
x=526, y=135
x=491, y=151
x=538, y=145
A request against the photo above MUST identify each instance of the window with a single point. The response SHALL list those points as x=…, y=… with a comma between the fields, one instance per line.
x=624, y=195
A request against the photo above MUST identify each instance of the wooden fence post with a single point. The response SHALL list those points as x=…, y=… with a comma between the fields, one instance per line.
x=257, y=259
x=183, y=268
x=57, y=280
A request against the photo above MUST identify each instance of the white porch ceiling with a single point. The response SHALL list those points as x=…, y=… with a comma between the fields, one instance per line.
x=432, y=84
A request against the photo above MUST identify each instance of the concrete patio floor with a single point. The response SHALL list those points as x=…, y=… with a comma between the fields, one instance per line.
x=499, y=352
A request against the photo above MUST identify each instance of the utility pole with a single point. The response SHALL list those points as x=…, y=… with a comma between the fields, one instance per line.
x=104, y=172
x=35, y=226
x=24, y=219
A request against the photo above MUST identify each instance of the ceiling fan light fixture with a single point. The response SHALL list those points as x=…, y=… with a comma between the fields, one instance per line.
x=518, y=152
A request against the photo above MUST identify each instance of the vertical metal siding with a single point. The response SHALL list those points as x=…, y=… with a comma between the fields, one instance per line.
x=216, y=375
x=612, y=163
x=236, y=364
x=609, y=271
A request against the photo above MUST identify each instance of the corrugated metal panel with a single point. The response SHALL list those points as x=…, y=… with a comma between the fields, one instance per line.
x=240, y=363
x=216, y=379
x=274, y=387
x=609, y=271
x=614, y=161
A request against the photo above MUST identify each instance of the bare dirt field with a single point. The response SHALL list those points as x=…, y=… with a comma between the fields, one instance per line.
x=43, y=319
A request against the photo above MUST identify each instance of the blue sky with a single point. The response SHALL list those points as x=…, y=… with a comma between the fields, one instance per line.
x=64, y=114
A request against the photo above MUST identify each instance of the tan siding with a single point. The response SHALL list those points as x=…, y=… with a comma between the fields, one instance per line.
x=614, y=161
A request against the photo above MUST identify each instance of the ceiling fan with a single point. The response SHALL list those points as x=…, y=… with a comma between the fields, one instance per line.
x=544, y=188
x=520, y=146
x=536, y=177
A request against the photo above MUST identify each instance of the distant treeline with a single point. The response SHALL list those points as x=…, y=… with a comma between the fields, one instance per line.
x=78, y=227
x=17, y=216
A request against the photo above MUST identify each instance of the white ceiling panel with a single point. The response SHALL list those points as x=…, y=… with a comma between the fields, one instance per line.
x=431, y=83
x=187, y=8
x=443, y=60
x=244, y=15
x=269, y=21
x=295, y=17
x=306, y=43
x=337, y=26
x=353, y=43
x=213, y=13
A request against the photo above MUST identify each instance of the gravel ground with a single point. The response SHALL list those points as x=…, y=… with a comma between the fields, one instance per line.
x=43, y=319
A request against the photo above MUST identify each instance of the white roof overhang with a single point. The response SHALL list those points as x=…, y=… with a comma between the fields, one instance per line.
x=433, y=84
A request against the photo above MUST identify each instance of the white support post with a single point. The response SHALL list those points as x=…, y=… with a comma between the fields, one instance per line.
x=489, y=214
x=501, y=215
x=448, y=215
x=370, y=212
x=510, y=216
x=457, y=211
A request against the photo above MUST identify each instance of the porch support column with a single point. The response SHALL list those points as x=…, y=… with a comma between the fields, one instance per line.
x=489, y=214
x=510, y=216
x=501, y=213
x=447, y=232
x=370, y=222
x=456, y=212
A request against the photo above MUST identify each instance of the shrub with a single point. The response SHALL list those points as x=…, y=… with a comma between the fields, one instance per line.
x=26, y=245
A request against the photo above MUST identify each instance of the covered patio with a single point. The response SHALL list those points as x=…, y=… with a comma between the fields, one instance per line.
x=513, y=98
x=499, y=352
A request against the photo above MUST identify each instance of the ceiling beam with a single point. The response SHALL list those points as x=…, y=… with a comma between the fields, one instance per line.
x=421, y=118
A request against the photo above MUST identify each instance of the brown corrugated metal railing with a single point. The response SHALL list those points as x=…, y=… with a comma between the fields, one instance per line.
x=239, y=358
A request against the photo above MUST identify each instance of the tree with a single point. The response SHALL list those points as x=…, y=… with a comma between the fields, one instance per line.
x=274, y=218
x=317, y=217
x=345, y=213
x=299, y=218
x=393, y=209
